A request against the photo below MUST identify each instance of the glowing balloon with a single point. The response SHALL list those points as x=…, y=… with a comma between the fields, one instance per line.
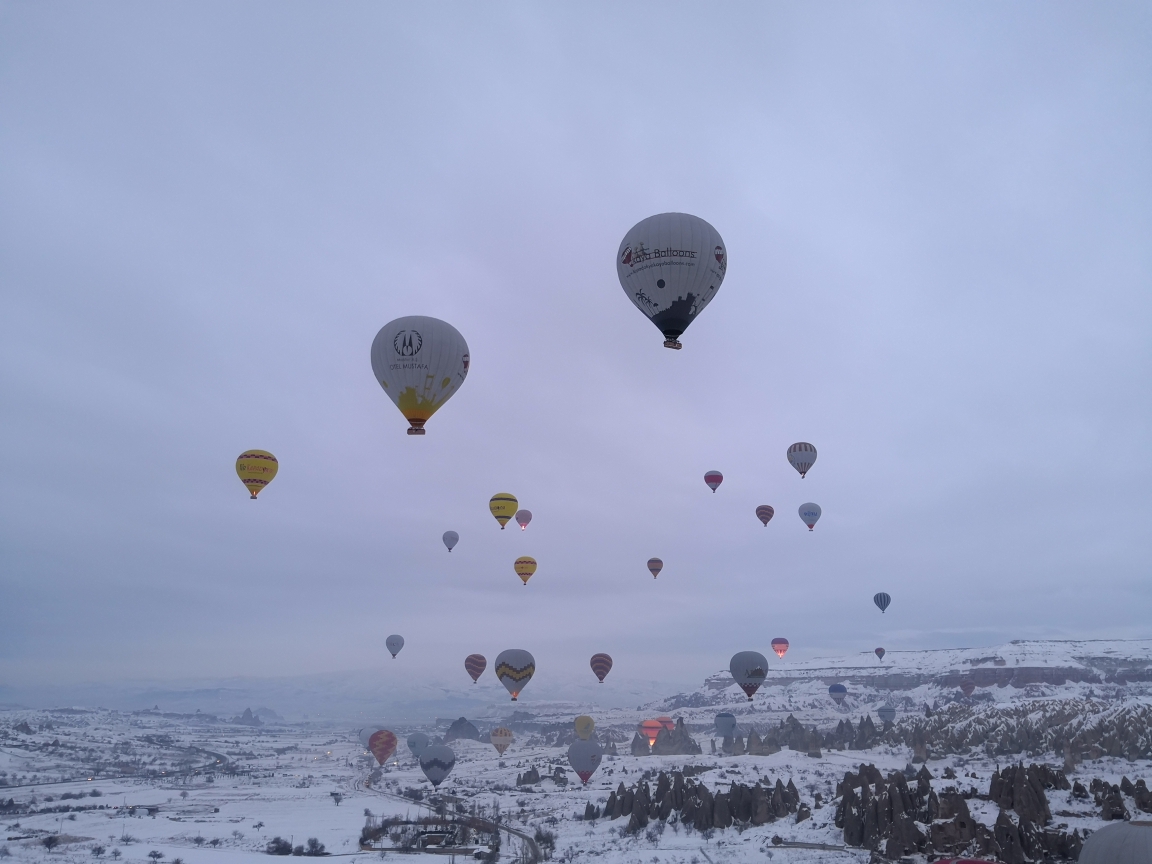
x=256, y=469
x=475, y=664
x=420, y=362
x=525, y=566
x=810, y=513
x=886, y=713
x=383, y=745
x=749, y=669
x=713, y=479
x=503, y=507
x=585, y=726
x=394, y=643
x=655, y=565
x=584, y=757
x=451, y=538
x=968, y=686
x=523, y=517
x=838, y=692
x=765, y=513
x=671, y=266
x=667, y=722
x=725, y=724
x=880, y=652
x=650, y=729
x=501, y=739
x=515, y=668
x=780, y=646
x=417, y=741
x=882, y=600
x=601, y=665
x=436, y=762
x=802, y=456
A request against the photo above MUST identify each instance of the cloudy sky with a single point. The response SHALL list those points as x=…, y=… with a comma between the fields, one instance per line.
x=938, y=219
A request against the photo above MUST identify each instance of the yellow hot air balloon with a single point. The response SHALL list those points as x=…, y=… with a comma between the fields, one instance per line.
x=525, y=567
x=585, y=726
x=503, y=506
x=256, y=469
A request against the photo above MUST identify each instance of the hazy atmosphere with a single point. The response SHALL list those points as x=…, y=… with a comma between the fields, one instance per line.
x=937, y=219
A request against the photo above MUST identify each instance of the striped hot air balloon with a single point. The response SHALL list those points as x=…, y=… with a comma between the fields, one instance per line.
x=601, y=665
x=650, y=729
x=968, y=686
x=655, y=565
x=882, y=600
x=256, y=469
x=713, y=479
x=383, y=745
x=501, y=739
x=667, y=722
x=515, y=668
x=765, y=513
x=780, y=646
x=886, y=713
x=802, y=456
x=475, y=664
x=503, y=506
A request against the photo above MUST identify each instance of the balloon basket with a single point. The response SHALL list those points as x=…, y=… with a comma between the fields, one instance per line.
x=673, y=344
x=415, y=431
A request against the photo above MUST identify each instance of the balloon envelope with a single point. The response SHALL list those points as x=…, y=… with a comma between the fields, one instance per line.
x=383, y=745
x=601, y=665
x=765, y=513
x=436, y=762
x=523, y=517
x=475, y=664
x=810, y=513
x=725, y=724
x=417, y=741
x=655, y=565
x=968, y=686
x=838, y=692
x=713, y=479
x=886, y=713
x=394, y=643
x=256, y=469
x=749, y=669
x=650, y=729
x=882, y=600
x=502, y=505
x=451, y=538
x=801, y=456
x=524, y=566
x=501, y=739
x=515, y=668
x=420, y=362
x=671, y=266
x=585, y=726
x=584, y=756
x=780, y=646
x=366, y=734
x=880, y=652
x=667, y=722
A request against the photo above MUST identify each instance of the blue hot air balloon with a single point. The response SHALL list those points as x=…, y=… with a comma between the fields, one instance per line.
x=838, y=692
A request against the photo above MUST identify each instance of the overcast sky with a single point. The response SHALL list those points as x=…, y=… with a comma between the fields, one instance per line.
x=938, y=219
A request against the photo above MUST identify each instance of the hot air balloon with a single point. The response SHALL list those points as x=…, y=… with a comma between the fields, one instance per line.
x=655, y=565
x=886, y=713
x=650, y=729
x=525, y=566
x=436, y=762
x=451, y=538
x=417, y=741
x=968, y=686
x=810, y=513
x=801, y=456
x=394, y=643
x=838, y=692
x=501, y=739
x=765, y=513
x=667, y=722
x=601, y=665
x=671, y=266
x=475, y=664
x=882, y=600
x=780, y=646
x=725, y=724
x=420, y=362
x=256, y=469
x=383, y=745
x=584, y=756
x=749, y=669
x=713, y=479
x=503, y=507
x=515, y=668
x=880, y=652
x=366, y=734
x=523, y=517
x=585, y=726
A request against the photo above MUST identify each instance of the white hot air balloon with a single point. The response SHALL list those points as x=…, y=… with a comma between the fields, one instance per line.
x=584, y=757
x=365, y=734
x=420, y=362
x=394, y=643
x=436, y=762
x=417, y=741
x=810, y=513
x=515, y=668
x=451, y=538
x=671, y=266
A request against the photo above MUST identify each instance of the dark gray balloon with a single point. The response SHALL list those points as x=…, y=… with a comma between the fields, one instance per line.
x=725, y=724
x=436, y=762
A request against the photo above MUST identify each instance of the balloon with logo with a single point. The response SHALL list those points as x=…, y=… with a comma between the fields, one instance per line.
x=839, y=693
x=523, y=517
x=780, y=646
x=650, y=729
x=655, y=565
x=713, y=479
x=420, y=362
x=501, y=739
x=524, y=566
x=749, y=669
x=256, y=469
x=810, y=513
x=383, y=745
x=765, y=513
x=802, y=456
x=671, y=266
x=437, y=762
x=394, y=643
x=515, y=668
x=585, y=726
x=880, y=652
x=474, y=665
x=886, y=713
x=601, y=665
x=882, y=601
x=417, y=741
x=725, y=724
x=503, y=506
x=584, y=756
x=451, y=538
